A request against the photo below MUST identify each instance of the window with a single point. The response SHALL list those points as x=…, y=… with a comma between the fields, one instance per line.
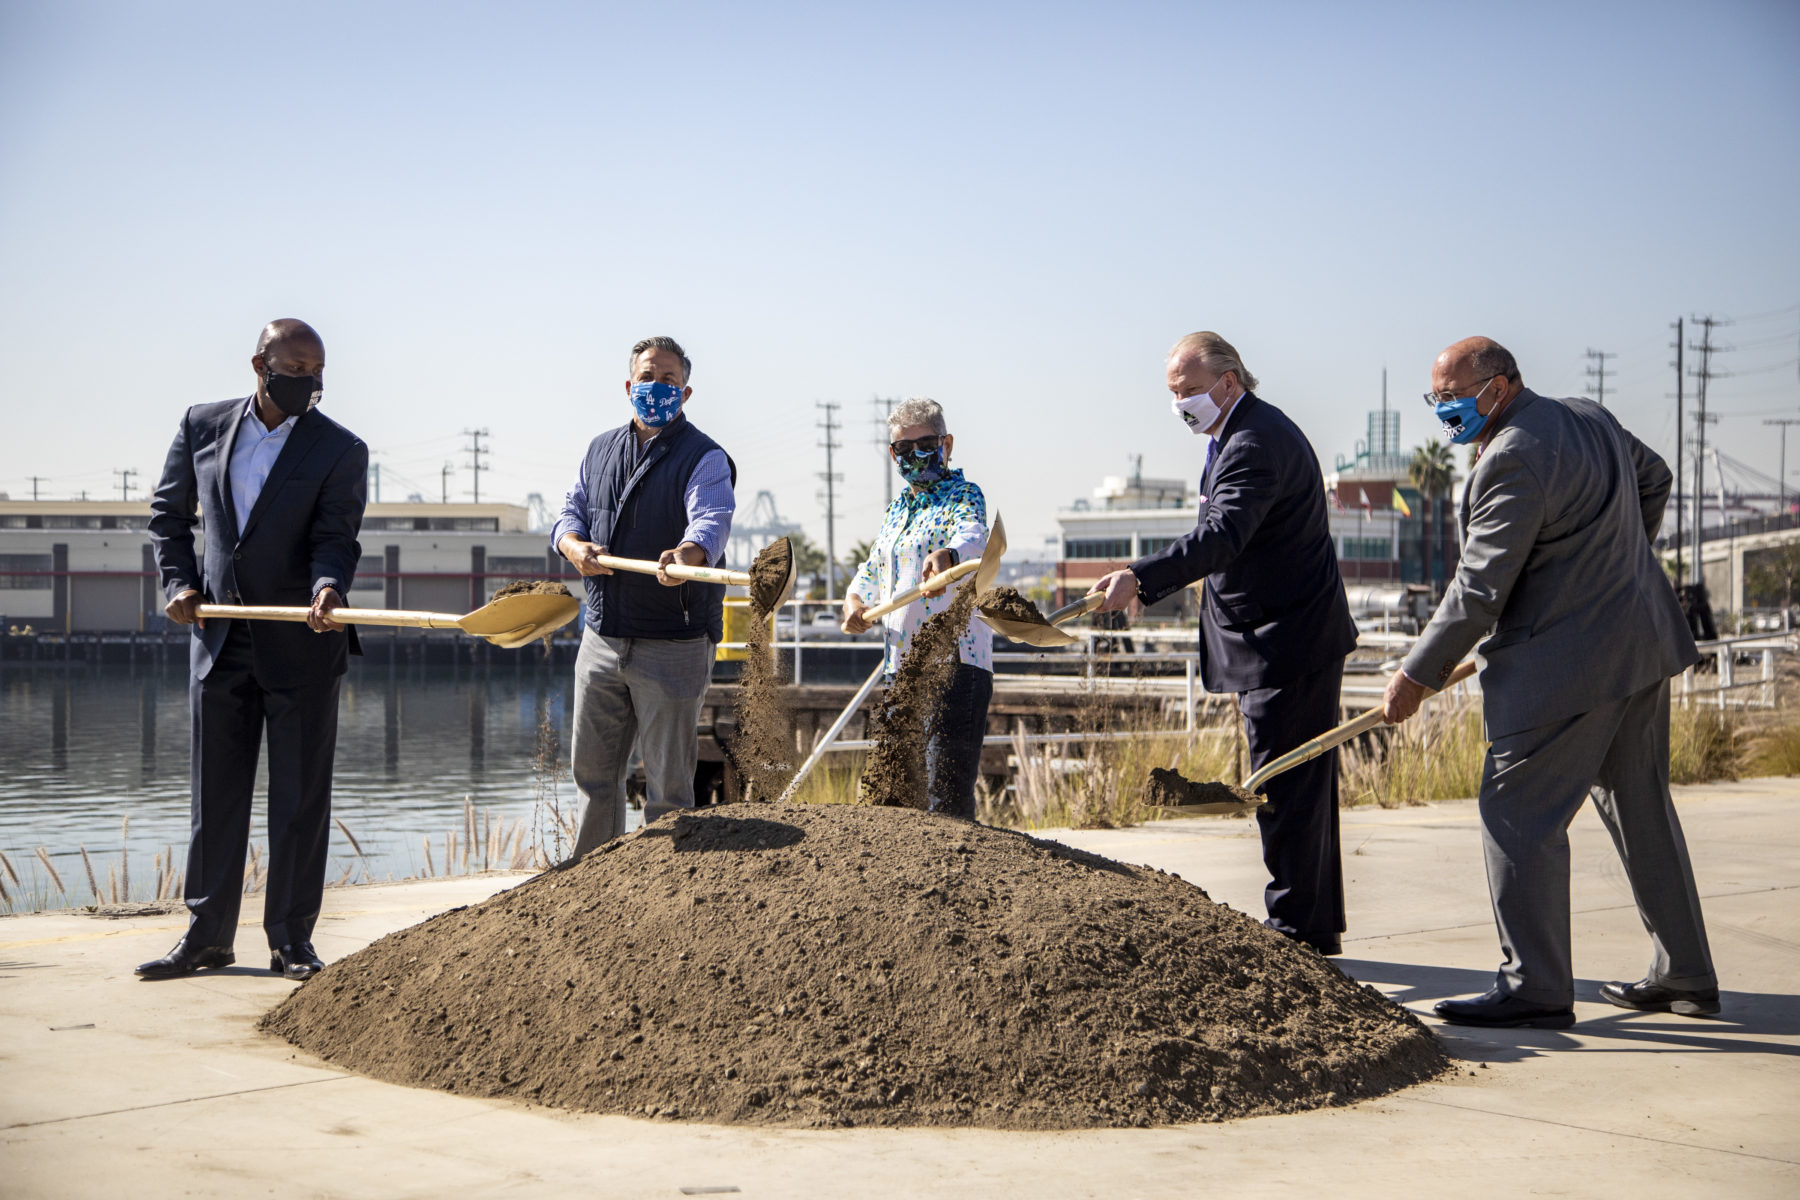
x=1150, y=545
x=369, y=571
x=516, y=566
x=1368, y=549
x=25, y=562
x=1108, y=548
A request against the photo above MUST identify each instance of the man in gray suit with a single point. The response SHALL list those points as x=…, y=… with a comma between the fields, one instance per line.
x=1557, y=516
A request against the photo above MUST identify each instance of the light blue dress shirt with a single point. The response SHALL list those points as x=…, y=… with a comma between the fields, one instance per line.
x=252, y=458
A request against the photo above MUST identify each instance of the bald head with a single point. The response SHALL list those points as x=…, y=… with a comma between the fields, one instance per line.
x=292, y=335
x=1472, y=359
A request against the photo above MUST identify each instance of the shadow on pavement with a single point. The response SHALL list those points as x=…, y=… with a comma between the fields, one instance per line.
x=1747, y=1020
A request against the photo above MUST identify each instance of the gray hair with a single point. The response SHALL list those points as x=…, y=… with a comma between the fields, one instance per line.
x=661, y=343
x=1216, y=354
x=1495, y=359
x=917, y=410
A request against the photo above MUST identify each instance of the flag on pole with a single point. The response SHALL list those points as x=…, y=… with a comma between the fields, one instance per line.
x=1400, y=505
x=1335, y=502
x=1368, y=509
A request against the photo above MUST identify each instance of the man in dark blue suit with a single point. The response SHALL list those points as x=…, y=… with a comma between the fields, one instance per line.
x=281, y=487
x=1274, y=624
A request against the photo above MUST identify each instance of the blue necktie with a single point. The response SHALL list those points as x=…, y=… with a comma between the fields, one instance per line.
x=1212, y=452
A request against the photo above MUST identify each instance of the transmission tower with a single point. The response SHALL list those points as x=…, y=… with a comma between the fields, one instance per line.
x=476, y=450
x=1680, y=508
x=1781, y=485
x=830, y=427
x=1705, y=374
x=125, y=477
x=884, y=408
x=1597, y=373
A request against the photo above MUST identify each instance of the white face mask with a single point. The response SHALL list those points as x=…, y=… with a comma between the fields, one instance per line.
x=1200, y=412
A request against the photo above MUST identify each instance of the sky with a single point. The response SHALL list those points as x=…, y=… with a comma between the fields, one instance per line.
x=1014, y=209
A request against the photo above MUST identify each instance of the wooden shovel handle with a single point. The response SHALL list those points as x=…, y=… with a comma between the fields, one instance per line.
x=344, y=616
x=1338, y=736
x=942, y=579
x=640, y=566
x=1068, y=612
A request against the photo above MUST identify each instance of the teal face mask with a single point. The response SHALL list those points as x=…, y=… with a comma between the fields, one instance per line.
x=1461, y=415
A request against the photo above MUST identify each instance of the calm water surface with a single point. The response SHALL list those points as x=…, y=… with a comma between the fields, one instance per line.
x=82, y=748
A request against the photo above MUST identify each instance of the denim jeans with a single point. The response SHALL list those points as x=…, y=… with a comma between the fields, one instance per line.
x=642, y=690
x=953, y=750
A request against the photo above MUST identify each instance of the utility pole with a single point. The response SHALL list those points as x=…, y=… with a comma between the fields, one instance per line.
x=1597, y=372
x=1680, y=508
x=35, y=480
x=1781, y=484
x=125, y=477
x=374, y=481
x=475, y=452
x=444, y=481
x=830, y=426
x=1705, y=374
x=884, y=408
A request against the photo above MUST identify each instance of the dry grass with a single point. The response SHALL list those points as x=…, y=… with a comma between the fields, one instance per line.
x=1434, y=757
x=1100, y=785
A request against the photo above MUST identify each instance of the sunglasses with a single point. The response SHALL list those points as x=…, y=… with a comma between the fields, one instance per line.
x=924, y=445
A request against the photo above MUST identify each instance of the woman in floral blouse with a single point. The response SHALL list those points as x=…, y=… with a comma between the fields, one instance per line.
x=937, y=522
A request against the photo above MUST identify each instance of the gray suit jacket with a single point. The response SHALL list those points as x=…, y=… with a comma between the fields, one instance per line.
x=1557, y=518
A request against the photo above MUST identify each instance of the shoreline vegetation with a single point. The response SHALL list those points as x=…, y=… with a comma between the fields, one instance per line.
x=1093, y=785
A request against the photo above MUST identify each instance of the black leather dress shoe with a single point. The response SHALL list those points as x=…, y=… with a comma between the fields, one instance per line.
x=296, y=962
x=1496, y=1010
x=1654, y=997
x=185, y=959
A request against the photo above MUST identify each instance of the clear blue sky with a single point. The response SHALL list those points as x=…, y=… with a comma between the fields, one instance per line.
x=1012, y=208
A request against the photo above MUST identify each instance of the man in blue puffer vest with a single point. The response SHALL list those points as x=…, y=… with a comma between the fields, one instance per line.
x=656, y=488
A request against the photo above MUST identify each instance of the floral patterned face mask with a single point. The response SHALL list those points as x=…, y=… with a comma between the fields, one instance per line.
x=922, y=466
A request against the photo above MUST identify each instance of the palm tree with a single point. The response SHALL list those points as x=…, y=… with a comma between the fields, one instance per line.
x=1431, y=471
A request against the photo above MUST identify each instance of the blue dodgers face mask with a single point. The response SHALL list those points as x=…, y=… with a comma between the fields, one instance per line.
x=656, y=403
x=1463, y=420
x=922, y=466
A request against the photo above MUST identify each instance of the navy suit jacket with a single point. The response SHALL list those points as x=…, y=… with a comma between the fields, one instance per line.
x=300, y=536
x=1274, y=606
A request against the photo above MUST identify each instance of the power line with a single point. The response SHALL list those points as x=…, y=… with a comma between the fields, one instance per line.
x=1705, y=374
x=1597, y=372
x=1781, y=476
x=35, y=480
x=1680, y=508
x=125, y=476
x=444, y=480
x=830, y=426
x=884, y=408
x=475, y=453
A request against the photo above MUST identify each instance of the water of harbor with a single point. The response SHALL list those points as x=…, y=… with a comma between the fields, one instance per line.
x=82, y=748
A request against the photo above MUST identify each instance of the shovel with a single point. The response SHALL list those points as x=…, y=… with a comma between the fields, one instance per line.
x=986, y=568
x=1248, y=796
x=508, y=622
x=774, y=567
x=1039, y=630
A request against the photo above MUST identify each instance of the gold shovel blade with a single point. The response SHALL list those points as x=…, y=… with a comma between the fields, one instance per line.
x=512, y=621
x=989, y=569
x=1032, y=633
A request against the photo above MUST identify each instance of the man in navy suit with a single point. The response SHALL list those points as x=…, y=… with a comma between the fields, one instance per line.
x=281, y=487
x=1274, y=624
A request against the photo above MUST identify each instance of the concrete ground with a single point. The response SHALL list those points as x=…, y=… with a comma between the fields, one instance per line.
x=110, y=1086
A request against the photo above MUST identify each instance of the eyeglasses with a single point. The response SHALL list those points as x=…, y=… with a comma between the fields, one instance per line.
x=1450, y=397
x=924, y=445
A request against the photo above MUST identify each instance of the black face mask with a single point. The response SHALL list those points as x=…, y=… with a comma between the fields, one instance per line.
x=292, y=394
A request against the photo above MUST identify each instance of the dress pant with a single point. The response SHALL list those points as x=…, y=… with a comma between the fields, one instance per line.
x=231, y=709
x=953, y=744
x=1533, y=784
x=1299, y=824
x=646, y=691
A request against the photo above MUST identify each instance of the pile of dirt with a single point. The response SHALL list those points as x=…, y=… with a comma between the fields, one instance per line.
x=762, y=749
x=900, y=724
x=1175, y=790
x=1008, y=603
x=532, y=587
x=830, y=965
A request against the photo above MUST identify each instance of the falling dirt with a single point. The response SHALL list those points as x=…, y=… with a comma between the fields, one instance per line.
x=532, y=587
x=762, y=749
x=769, y=575
x=900, y=723
x=1174, y=790
x=1005, y=602
x=831, y=965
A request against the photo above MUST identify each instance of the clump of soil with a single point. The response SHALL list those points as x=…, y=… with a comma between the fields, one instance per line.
x=532, y=587
x=769, y=575
x=901, y=723
x=1008, y=603
x=830, y=965
x=1175, y=790
x=762, y=749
